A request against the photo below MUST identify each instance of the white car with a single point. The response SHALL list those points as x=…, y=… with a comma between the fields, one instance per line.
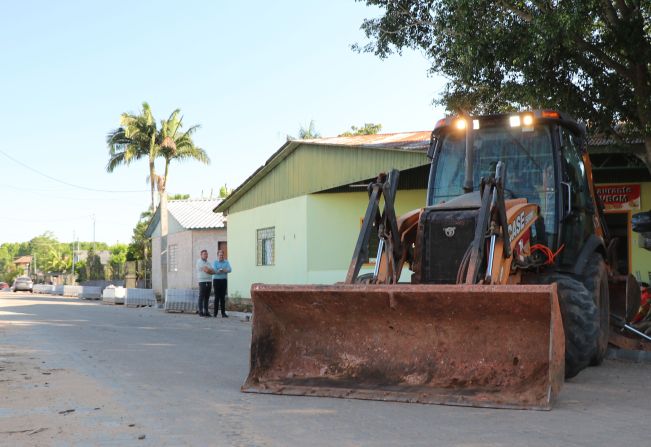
x=23, y=283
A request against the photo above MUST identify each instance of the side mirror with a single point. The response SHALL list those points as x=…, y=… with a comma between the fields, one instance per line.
x=431, y=150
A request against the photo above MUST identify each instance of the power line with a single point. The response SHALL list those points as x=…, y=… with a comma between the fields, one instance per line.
x=63, y=181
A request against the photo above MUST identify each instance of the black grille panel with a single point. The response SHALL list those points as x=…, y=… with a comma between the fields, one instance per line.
x=445, y=237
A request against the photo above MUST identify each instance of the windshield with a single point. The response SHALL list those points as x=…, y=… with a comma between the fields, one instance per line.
x=527, y=155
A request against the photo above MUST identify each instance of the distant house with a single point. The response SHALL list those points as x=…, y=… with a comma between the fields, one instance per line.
x=296, y=219
x=23, y=263
x=192, y=227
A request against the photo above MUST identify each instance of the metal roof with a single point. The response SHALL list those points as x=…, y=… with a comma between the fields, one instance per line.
x=402, y=140
x=191, y=214
x=415, y=142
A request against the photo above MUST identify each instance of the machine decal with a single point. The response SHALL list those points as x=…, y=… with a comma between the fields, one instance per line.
x=449, y=231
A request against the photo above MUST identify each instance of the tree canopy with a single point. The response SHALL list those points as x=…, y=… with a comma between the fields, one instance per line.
x=591, y=58
x=133, y=140
x=308, y=132
x=366, y=129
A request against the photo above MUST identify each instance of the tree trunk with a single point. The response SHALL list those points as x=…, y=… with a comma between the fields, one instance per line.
x=163, y=236
x=152, y=182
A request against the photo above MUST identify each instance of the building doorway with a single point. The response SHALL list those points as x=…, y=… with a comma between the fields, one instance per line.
x=222, y=245
x=618, y=223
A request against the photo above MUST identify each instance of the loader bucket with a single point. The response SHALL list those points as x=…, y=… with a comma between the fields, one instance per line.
x=485, y=346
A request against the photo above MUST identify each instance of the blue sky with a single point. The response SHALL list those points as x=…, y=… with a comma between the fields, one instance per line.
x=248, y=73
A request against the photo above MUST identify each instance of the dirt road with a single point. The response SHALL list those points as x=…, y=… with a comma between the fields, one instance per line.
x=74, y=372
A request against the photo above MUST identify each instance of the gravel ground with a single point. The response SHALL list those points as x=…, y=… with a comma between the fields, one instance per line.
x=75, y=372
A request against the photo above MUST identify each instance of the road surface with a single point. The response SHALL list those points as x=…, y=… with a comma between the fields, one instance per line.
x=75, y=372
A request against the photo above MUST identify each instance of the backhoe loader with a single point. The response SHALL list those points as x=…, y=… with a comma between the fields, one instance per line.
x=490, y=295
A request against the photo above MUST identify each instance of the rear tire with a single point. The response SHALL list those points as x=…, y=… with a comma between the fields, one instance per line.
x=595, y=280
x=580, y=322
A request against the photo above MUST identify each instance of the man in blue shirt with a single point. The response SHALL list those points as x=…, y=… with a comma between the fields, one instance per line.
x=204, y=275
x=221, y=268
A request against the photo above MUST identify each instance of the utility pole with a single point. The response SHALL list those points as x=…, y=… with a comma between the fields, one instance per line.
x=93, y=231
x=73, y=256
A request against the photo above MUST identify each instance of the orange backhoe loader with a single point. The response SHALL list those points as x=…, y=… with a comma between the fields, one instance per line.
x=508, y=292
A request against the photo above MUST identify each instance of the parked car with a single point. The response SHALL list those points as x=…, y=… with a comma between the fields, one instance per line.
x=4, y=285
x=23, y=283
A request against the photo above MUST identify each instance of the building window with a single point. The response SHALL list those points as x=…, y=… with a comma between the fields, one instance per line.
x=265, y=246
x=172, y=258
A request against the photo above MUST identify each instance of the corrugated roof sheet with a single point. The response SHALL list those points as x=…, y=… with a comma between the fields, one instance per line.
x=401, y=140
x=196, y=213
x=609, y=140
x=23, y=260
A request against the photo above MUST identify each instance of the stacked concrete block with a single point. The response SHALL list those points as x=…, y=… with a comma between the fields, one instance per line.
x=43, y=288
x=90, y=293
x=114, y=295
x=72, y=290
x=181, y=300
x=140, y=297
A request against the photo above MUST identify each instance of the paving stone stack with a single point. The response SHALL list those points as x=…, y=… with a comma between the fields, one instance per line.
x=140, y=297
x=72, y=290
x=90, y=293
x=114, y=295
x=181, y=300
x=44, y=288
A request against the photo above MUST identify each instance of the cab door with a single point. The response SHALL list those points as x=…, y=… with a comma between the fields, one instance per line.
x=577, y=209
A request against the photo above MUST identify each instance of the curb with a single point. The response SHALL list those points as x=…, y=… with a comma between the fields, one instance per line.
x=629, y=355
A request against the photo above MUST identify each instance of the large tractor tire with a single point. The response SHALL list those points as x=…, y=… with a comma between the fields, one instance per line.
x=595, y=280
x=580, y=322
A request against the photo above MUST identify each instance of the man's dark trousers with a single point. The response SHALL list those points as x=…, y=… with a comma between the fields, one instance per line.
x=220, y=295
x=204, y=298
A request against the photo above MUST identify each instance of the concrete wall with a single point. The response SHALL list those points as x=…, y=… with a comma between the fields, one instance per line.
x=314, y=235
x=334, y=221
x=202, y=239
x=288, y=217
x=189, y=245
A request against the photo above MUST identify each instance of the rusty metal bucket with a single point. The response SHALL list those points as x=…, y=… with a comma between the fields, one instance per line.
x=485, y=346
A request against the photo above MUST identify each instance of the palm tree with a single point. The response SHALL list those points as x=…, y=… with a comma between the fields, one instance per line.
x=133, y=140
x=173, y=144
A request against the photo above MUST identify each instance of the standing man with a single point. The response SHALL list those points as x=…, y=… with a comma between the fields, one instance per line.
x=221, y=268
x=204, y=272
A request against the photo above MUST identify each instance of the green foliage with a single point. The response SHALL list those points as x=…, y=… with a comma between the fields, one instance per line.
x=135, y=139
x=178, y=196
x=306, y=133
x=224, y=192
x=366, y=129
x=80, y=271
x=586, y=57
x=140, y=245
x=94, y=268
x=176, y=144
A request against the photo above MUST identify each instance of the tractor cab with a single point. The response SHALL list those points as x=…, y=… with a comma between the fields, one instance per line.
x=545, y=163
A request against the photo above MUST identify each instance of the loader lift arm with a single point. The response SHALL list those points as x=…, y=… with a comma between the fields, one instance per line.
x=491, y=224
x=387, y=225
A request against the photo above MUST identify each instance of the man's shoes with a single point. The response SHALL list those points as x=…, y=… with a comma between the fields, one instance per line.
x=224, y=316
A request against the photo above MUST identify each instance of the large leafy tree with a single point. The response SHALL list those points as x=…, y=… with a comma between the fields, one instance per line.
x=135, y=139
x=591, y=58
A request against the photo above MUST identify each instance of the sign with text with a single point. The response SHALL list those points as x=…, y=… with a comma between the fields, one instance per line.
x=619, y=197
